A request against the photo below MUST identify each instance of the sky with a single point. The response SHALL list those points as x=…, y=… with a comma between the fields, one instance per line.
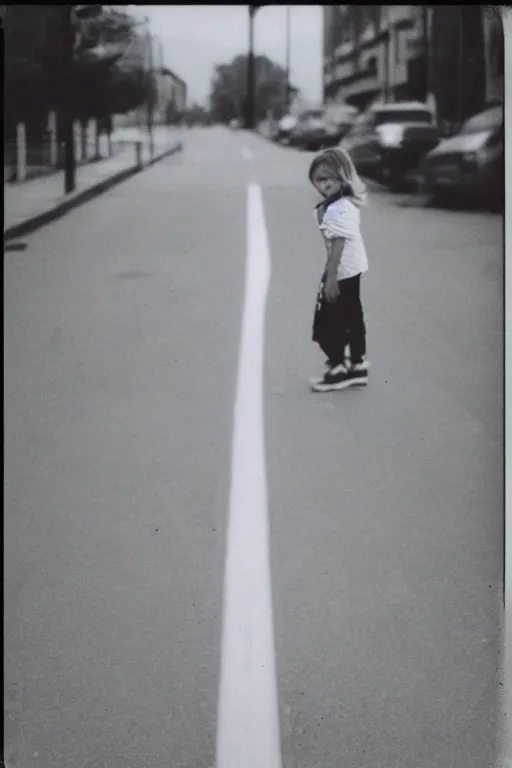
x=197, y=37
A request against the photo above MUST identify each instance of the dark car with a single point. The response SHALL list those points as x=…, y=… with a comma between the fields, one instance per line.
x=471, y=163
x=388, y=141
x=312, y=131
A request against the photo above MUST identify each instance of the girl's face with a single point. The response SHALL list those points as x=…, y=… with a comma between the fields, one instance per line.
x=326, y=182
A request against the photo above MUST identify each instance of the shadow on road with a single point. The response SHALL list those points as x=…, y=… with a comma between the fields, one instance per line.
x=14, y=246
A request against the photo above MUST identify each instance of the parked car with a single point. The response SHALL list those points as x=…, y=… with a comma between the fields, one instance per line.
x=284, y=129
x=389, y=140
x=340, y=119
x=471, y=163
x=312, y=131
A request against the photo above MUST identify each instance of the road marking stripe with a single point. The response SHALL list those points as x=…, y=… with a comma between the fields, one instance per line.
x=247, y=153
x=248, y=719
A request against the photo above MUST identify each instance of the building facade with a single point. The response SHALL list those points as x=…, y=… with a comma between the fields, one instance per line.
x=494, y=52
x=169, y=90
x=450, y=57
x=374, y=52
x=177, y=89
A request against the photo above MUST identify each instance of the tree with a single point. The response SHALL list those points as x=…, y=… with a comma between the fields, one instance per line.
x=106, y=79
x=32, y=62
x=110, y=72
x=196, y=115
x=229, y=89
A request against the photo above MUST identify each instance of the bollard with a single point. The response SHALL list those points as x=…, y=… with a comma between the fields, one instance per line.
x=52, y=130
x=78, y=141
x=138, y=154
x=21, y=152
x=97, y=151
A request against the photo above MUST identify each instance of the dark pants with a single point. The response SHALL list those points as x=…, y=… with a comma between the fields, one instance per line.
x=341, y=323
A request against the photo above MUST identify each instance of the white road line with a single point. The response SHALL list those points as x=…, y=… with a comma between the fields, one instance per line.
x=248, y=719
x=247, y=153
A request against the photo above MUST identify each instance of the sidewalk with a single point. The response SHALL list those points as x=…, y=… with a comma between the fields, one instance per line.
x=33, y=203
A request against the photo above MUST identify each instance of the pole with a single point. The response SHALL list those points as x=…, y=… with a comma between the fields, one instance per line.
x=460, y=91
x=67, y=101
x=288, y=39
x=386, y=55
x=426, y=54
x=150, y=96
x=250, y=73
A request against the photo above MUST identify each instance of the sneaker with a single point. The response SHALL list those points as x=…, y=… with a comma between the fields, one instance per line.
x=329, y=364
x=358, y=374
x=334, y=379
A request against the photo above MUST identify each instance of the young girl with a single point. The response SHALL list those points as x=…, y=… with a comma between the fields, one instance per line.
x=339, y=314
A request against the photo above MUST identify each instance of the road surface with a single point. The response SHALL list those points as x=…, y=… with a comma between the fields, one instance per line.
x=123, y=328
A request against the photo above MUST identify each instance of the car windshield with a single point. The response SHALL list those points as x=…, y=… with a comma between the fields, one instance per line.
x=484, y=121
x=403, y=116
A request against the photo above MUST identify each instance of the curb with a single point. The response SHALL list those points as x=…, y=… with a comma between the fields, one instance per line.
x=78, y=198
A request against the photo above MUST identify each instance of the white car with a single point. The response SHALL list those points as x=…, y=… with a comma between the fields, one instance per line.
x=389, y=140
x=284, y=128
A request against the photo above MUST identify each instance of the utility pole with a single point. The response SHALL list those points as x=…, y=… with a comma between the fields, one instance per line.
x=150, y=95
x=385, y=16
x=460, y=67
x=288, y=45
x=67, y=97
x=250, y=71
x=427, y=52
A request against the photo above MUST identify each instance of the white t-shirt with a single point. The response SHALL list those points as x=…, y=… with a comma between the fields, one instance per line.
x=343, y=219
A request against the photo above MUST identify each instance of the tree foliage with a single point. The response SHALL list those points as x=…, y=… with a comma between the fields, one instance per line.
x=196, y=115
x=109, y=68
x=32, y=61
x=108, y=71
x=229, y=89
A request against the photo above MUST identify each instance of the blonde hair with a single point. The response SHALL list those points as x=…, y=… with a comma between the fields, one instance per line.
x=338, y=161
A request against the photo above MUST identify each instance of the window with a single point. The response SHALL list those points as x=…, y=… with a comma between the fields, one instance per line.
x=371, y=65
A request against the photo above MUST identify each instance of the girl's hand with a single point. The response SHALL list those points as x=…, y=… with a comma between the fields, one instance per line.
x=331, y=290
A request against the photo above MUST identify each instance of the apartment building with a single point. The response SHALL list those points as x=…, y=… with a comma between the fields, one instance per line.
x=494, y=52
x=450, y=57
x=374, y=52
x=177, y=88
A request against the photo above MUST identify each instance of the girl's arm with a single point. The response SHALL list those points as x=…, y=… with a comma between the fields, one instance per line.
x=337, y=244
x=331, y=288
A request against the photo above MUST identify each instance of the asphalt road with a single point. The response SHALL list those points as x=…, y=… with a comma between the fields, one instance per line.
x=122, y=329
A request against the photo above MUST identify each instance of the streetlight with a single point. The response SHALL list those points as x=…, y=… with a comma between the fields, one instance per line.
x=250, y=70
x=288, y=37
x=66, y=105
x=250, y=64
x=149, y=100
